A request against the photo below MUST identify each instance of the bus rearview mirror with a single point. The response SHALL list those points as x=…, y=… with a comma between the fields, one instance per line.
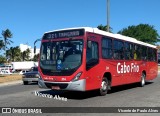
x=89, y=44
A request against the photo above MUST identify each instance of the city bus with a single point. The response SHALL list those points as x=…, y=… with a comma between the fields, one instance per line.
x=85, y=58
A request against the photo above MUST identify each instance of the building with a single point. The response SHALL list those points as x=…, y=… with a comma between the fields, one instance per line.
x=24, y=47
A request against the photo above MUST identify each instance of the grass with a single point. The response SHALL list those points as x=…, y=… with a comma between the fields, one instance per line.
x=9, y=78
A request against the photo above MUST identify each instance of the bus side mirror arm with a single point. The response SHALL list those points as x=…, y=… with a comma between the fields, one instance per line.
x=34, y=49
x=35, y=46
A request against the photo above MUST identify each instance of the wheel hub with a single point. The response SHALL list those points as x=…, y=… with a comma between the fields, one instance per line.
x=104, y=86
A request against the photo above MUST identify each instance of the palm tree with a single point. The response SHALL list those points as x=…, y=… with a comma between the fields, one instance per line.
x=14, y=54
x=9, y=54
x=17, y=54
x=35, y=58
x=28, y=51
x=6, y=35
x=1, y=44
x=2, y=59
x=26, y=55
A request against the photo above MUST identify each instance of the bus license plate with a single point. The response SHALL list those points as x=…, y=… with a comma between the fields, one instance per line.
x=56, y=87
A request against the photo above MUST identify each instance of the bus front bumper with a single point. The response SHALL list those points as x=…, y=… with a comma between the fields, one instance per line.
x=72, y=86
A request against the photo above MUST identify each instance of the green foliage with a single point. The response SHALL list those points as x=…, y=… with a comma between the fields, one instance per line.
x=104, y=28
x=2, y=59
x=14, y=54
x=35, y=58
x=26, y=55
x=1, y=44
x=17, y=54
x=142, y=32
x=6, y=35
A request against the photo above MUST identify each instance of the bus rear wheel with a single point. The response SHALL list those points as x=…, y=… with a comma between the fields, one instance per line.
x=143, y=81
x=104, y=87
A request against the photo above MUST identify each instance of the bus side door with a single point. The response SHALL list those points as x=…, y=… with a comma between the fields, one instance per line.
x=92, y=64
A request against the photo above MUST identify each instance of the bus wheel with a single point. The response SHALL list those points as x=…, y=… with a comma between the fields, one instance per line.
x=142, y=83
x=104, y=86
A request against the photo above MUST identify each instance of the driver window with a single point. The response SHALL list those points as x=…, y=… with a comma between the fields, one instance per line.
x=92, y=50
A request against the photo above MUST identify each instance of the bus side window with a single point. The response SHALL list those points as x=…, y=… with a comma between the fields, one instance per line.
x=107, y=48
x=144, y=53
x=135, y=55
x=137, y=52
x=118, y=50
x=128, y=51
x=152, y=54
x=92, y=57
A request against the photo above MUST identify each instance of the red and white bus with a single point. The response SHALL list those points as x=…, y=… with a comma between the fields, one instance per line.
x=85, y=58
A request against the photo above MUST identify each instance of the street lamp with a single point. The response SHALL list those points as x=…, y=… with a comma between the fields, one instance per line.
x=108, y=11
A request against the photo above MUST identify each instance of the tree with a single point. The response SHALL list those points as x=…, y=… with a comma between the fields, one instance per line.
x=26, y=55
x=14, y=54
x=2, y=59
x=28, y=51
x=35, y=58
x=104, y=28
x=6, y=35
x=142, y=32
x=1, y=44
x=17, y=53
x=9, y=54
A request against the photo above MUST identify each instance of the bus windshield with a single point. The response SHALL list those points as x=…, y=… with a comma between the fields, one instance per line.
x=58, y=56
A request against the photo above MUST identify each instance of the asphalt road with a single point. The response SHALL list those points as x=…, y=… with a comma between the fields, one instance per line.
x=122, y=96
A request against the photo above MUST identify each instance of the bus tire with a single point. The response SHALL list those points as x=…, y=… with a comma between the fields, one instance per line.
x=143, y=81
x=104, y=87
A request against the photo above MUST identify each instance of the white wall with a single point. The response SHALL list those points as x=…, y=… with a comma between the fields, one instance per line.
x=23, y=47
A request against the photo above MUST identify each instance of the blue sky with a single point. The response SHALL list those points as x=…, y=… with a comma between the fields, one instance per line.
x=29, y=19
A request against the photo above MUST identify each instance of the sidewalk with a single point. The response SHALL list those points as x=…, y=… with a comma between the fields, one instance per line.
x=11, y=83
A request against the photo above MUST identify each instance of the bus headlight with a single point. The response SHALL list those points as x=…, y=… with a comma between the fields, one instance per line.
x=77, y=76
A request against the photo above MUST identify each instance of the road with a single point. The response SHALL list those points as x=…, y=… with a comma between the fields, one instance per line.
x=122, y=96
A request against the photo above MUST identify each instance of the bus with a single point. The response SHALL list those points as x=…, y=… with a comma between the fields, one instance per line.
x=86, y=58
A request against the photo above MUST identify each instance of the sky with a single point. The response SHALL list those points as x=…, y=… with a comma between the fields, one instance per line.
x=28, y=20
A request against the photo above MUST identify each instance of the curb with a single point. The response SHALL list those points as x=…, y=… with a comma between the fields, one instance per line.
x=11, y=83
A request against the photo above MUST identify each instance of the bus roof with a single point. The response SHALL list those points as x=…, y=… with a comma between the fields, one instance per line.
x=117, y=36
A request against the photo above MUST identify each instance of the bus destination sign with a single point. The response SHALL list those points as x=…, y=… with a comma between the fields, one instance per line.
x=64, y=34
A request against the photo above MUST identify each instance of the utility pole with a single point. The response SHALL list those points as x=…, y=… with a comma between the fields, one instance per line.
x=108, y=11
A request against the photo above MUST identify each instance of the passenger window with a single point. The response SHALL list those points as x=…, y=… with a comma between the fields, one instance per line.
x=128, y=51
x=107, y=48
x=137, y=52
x=144, y=53
x=152, y=54
x=118, y=50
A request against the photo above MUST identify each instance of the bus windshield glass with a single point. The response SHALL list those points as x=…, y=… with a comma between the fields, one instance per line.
x=57, y=56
